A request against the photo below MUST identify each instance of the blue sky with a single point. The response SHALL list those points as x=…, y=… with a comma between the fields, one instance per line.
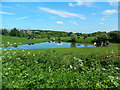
x=60, y=16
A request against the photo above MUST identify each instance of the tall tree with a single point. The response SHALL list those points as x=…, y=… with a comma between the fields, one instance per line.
x=15, y=32
x=5, y=32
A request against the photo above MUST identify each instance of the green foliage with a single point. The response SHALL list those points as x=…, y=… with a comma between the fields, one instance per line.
x=48, y=69
x=15, y=32
x=73, y=37
x=101, y=38
x=114, y=36
x=5, y=32
x=98, y=33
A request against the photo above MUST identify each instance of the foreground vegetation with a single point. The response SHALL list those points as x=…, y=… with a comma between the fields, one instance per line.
x=62, y=68
x=89, y=67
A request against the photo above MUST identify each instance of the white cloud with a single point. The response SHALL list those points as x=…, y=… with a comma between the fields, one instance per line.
x=109, y=12
x=70, y=4
x=59, y=22
x=6, y=7
x=102, y=19
x=20, y=5
x=81, y=3
x=7, y=13
x=73, y=22
x=113, y=3
x=63, y=14
x=101, y=23
x=93, y=14
x=22, y=18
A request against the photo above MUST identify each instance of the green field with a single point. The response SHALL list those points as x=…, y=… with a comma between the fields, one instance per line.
x=87, y=67
x=12, y=41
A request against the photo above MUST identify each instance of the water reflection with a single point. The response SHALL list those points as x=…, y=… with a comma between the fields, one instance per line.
x=78, y=44
x=31, y=44
x=49, y=44
x=58, y=42
x=49, y=41
x=73, y=45
x=16, y=46
x=85, y=45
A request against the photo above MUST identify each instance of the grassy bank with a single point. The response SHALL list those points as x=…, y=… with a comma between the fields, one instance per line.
x=11, y=41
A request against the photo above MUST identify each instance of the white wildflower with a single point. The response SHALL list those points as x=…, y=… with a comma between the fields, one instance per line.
x=8, y=42
x=70, y=66
x=2, y=57
x=116, y=84
x=80, y=60
x=6, y=63
x=33, y=54
x=111, y=77
x=75, y=68
x=74, y=57
x=103, y=69
x=36, y=61
x=18, y=58
x=14, y=53
x=97, y=69
x=49, y=69
x=81, y=64
x=117, y=68
x=117, y=77
x=28, y=52
x=112, y=51
x=6, y=73
x=10, y=57
x=9, y=68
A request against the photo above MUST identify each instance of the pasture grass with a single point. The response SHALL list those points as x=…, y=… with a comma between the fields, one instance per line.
x=11, y=41
x=14, y=41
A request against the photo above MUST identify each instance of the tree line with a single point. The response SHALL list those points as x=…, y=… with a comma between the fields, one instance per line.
x=112, y=36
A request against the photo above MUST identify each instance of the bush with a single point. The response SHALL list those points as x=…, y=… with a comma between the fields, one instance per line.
x=73, y=37
x=114, y=36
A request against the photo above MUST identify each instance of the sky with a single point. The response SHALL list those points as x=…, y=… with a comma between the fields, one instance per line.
x=82, y=17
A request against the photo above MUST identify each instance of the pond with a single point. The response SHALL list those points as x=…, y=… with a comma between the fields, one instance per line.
x=47, y=45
